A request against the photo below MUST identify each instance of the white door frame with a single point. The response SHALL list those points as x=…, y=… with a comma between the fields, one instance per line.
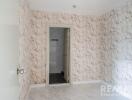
x=48, y=51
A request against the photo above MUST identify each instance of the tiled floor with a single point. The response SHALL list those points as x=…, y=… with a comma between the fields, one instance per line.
x=71, y=92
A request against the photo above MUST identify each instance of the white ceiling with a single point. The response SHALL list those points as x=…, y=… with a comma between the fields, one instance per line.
x=83, y=6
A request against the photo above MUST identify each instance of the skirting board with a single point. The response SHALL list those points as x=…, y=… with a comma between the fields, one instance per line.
x=81, y=82
x=37, y=85
x=63, y=84
x=88, y=82
x=44, y=85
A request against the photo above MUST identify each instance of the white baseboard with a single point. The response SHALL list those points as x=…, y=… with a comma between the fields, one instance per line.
x=81, y=82
x=62, y=84
x=37, y=85
x=87, y=82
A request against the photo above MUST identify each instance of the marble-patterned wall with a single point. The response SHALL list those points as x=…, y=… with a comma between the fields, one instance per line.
x=25, y=48
x=116, y=52
x=84, y=45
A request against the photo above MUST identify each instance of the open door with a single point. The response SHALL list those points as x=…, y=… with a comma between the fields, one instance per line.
x=67, y=54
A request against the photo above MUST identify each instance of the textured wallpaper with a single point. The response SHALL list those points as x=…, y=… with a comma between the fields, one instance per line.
x=84, y=45
x=116, y=49
x=100, y=46
x=24, y=49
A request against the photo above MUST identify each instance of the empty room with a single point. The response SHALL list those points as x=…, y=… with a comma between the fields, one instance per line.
x=66, y=49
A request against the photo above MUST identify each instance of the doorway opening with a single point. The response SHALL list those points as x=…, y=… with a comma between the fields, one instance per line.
x=59, y=55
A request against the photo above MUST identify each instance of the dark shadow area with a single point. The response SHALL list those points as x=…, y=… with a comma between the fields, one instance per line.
x=56, y=78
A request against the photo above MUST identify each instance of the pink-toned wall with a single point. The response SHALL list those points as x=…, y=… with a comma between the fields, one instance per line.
x=84, y=45
x=100, y=46
x=25, y=48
